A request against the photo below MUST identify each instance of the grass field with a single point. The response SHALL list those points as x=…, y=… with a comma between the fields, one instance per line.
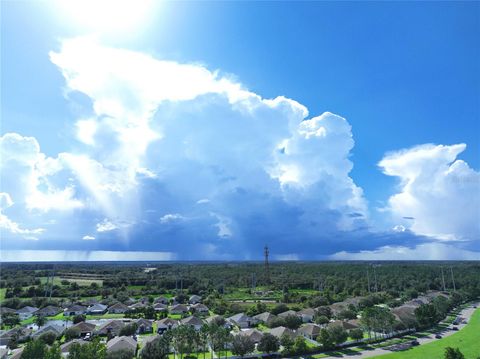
x=2, y=293
x=80, y=281
x=467, y=340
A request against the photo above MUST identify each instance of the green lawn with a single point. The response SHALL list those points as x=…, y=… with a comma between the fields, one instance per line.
x=2, y=293
x=467, y=340
x=79, y=281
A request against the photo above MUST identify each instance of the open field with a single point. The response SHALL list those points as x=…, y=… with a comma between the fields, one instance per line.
x=79, y=281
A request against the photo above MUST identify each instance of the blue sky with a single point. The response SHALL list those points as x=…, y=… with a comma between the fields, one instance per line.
x=149, y=128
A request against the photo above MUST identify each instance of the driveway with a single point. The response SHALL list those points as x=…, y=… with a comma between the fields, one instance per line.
x=465, y=313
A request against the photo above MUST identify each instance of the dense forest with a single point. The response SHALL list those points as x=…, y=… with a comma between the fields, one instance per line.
x=289, y=282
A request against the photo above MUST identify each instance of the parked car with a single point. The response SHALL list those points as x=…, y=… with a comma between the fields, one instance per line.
x=438, y=336
x=414, y=343
x=454, y=328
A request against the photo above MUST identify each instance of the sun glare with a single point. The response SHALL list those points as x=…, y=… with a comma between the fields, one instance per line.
x=106, y=16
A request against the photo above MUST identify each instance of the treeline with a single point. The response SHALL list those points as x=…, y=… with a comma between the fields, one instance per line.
x=335, y=280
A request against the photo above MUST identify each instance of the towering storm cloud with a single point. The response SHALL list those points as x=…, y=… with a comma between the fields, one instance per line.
x=178, y=159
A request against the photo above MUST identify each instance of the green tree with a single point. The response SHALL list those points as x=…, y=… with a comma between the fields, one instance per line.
x=128, y=330
x=156, y=349
x=337, y=334
x=268, y=344
x=325, y=339
x=356, y=334
x=321, y=320
x=287, y=342
x=71, y=333
x=453, y=353
x=10, y=319
x=242, y=345
x=48, y=338
x=121, y=354
x=300, y=345
x=79, y=318
x=39, y=320
x=426, y=315
x=94, y=349
x=37, y=349
x=292, y=322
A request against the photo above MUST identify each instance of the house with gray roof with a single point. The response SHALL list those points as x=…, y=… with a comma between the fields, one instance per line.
x=65, y=348
x=194, y=299
x=26, y=312
x=122, y=343
x=97, y=309
x=195, y=322
x=265, y=317
x=118, y=308
x=254, y=334
x=112, y=327
x=48, y=311
x=49, y=328
x=306, y=314
x=165, y=324
x=241, y=320
x=280, y=331
x=178, y=309
x=75, y=309
x=309, y=331
x=144, y=326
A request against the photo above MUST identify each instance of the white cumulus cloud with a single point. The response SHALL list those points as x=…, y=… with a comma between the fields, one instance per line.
x=439, y=195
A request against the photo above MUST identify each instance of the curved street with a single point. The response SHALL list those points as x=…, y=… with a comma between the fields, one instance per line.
x=465, y=313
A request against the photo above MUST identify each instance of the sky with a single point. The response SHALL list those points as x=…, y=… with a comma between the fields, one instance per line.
x=143, y=130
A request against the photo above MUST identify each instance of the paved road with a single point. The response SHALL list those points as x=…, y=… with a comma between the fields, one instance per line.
x=466, y=314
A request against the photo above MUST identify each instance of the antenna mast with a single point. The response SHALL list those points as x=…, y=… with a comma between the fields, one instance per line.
x=266, y=252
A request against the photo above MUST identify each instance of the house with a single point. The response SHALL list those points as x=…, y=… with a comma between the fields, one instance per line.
x=287, y=313
x=306, y=314
x=195, y=322
x=160, y=307
x=48, y=311
x=83, y=328
x=165, y=324
x=309, y=331
x=144, y=326
x=65, y=348
x=17, y=353
x=254, y=334
x=219, y=320
x=97, y=309
x=3, y=353
x=20, y=333
x=161, y=300
x=241, y=320
x=179, y=309
x=90, y=301
x=194, y=299
x=26, y=312
x=406, y=315
x=146, y=340
x=347, y=325
x=337, y=308
x=280, y=331
x=265, y=317
x=138, y=305
x=75, y=309
x=200, y=308
x=118, y=308
x=122, y=343
x=129, y=301
x=112, y=327
x=144, y=300
x=5, y=310
x=49, y=328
